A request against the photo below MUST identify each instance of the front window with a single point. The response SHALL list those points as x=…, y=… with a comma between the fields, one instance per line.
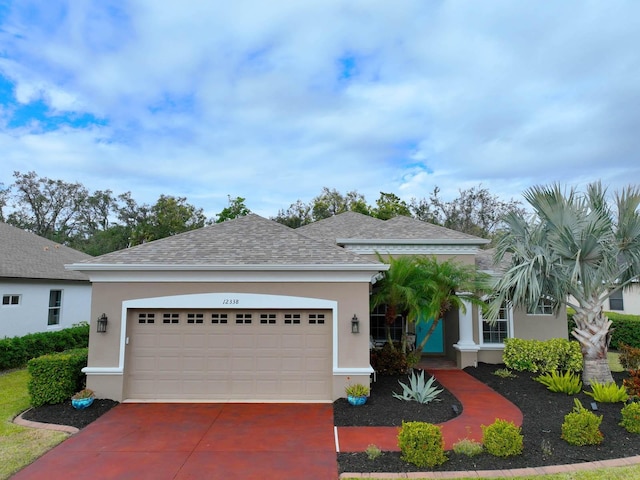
x=11, y=300
x=543, y=307
x=499, y=330
x=616, y=302
x=55, y=303
x=378, y=327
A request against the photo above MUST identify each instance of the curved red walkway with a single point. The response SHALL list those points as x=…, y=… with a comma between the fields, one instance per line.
x=481, y=405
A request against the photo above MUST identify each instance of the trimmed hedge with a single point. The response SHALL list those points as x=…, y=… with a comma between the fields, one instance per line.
x=625, y=329
x=17, y=351
x=57, y=376
x=542, y=355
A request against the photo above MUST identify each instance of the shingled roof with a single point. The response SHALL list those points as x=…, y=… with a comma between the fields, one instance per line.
x=355, y=226
x=26, y=255
x=246, y=241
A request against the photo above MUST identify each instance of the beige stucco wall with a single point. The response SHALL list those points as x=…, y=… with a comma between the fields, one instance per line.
x=352, y=298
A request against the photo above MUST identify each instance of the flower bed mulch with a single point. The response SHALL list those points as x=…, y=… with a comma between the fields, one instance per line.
x=543, y=413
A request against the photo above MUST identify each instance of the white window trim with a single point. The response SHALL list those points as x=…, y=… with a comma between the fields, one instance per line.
x=11, y=295
x=540, y=314
x=56, y=326
x=494, y=346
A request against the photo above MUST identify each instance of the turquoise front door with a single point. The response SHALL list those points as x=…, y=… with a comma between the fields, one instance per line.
x=435, y=344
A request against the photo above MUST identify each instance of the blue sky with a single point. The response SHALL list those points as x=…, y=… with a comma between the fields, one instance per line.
x=272, y=101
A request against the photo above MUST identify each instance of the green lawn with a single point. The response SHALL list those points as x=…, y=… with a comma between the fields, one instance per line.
x=622, y=473
x=19, y=446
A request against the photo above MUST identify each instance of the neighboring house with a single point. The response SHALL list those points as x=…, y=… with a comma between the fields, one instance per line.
x=626, y=301
x=38, y=293
x=252, y=310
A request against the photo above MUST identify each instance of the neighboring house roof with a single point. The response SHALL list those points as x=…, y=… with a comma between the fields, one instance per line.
x=245, y=242
x=485, y=261
x=26, y=255
x=351, y=227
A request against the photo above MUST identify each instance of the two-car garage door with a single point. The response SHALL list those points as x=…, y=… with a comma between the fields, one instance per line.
x=228, y=355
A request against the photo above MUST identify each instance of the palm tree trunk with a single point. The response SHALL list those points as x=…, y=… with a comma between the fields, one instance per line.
x=593, y=332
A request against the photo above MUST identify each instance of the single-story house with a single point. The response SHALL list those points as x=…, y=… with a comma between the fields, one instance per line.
x=38, y=293
x=252, y=310
x=626, y=301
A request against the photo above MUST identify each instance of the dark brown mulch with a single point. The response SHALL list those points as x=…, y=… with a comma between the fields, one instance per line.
x=65, y=414
x=395, y=411
x=543, y=412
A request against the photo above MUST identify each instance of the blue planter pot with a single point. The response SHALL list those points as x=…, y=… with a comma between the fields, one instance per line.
x=356, y=400
x=81, y=403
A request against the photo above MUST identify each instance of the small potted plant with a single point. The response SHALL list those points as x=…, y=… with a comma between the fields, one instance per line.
x=357, y=393
x=83, y=399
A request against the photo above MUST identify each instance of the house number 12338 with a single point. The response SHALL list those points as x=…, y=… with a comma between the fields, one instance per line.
x=230, y=301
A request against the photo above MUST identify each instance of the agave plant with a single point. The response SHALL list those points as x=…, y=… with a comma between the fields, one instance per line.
x=418, y=389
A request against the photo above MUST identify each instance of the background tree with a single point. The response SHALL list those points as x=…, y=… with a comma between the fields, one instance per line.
x=235, y=209
x=297, y=215
x=331, y=202
x=389, y=205
x=475, y=211
x=49, y=208
x=4, y=195
x=576, y=250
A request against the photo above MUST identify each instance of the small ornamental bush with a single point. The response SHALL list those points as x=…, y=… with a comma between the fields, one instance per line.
x=629, y=357
x=542, y=355
x=421, y=444
x=56, y=377
x=504, y=373
x=373, y=452
x=631, y=417
x=607, y=392
x=467, y=447
x=418, y=390
x=581, y=427
x=502, y=438
x=387, y=361
x=568, y=382
x=632, y=384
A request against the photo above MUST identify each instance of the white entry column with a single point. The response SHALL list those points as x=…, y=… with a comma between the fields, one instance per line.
x=467, y=349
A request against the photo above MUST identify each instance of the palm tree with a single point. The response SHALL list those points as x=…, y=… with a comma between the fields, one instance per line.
x=399, y=290
x=576, y=250
x=449, y=285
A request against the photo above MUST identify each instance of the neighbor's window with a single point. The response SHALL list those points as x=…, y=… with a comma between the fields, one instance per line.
x=11, y=300
x=497, y=331
x=55, y=303
x=616, y=302
x=543, y=307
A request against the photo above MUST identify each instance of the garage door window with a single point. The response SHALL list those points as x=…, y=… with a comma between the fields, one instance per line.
x=292, y=318
x=195, y=317
x=218, y=318
x=146, y=318
x=243, y=318
x=268, y=318
x=316, y=319
x=170, y=318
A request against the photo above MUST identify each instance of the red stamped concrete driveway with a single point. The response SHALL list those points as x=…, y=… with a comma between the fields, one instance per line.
x=197, y=441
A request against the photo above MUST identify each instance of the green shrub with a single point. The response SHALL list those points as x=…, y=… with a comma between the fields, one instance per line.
x=568, y=382
x=373, y=452
x=467, y=447
x=418, y=390
x=504, y=373
x=421, y=444
x=625, y=329
x=629, y=357
x=56, y=377
x=542, y=355
x=631, y=417
x=15, y=352
x=607, y=392
x=389, y=361
x=502, y=438
x=581, y=427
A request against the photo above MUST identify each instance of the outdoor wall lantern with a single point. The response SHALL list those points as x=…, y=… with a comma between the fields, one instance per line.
x=101, y=326
x=355, y=324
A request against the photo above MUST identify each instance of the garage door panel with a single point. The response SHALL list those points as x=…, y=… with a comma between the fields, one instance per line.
x=261, y=360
